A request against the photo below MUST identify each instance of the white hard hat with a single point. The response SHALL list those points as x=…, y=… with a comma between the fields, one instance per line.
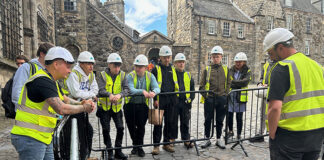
x=59, y=52
x=217, y=49
x=241, y=56
x=180, y=57
x=114, y=58
x=276, y=36
x=165, y=51
x=86, y=56
x=141, y=60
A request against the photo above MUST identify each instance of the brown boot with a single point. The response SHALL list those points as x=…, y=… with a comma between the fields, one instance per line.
x=188, y=144
x=168, y=148
x=172, y=140
x=156, y=150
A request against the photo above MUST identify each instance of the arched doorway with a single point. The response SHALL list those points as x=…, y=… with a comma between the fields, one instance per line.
x=74, y=51
x=153, y=54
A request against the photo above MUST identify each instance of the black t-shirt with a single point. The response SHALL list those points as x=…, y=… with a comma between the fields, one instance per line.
x=41, y=88
x=279, y=82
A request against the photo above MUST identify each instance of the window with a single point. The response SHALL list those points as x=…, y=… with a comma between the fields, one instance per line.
x=10, y=29
x=225, y=59
x=289, y=21
x=270, y=23
x=226, y=29
x=288, y=3
x=240, y=30
x=70, y=5
x=307, y=47
x=42, y=28
x=308, y=25
x=211, y=27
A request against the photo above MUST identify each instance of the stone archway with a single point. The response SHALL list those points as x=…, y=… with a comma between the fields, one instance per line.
x=153, y=54
x=74, y=50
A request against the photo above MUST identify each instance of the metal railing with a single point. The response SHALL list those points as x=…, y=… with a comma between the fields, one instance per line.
x=251, y=115
x=195, y=135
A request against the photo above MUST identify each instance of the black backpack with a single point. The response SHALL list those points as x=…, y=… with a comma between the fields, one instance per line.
x=6, y=95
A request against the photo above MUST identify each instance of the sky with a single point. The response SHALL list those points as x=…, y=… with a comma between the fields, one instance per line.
x=146, y=15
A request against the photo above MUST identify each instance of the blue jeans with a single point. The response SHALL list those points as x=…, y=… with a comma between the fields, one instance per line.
x=32, y=149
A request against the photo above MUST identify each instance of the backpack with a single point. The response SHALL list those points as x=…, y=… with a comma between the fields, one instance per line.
x=6, y=94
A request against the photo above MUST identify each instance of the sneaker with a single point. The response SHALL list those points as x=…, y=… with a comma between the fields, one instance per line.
x=188, y=144
x=206, y=144
x=220, y=143
x=238, y=137
x=134, y=151
x=168, y=148
x=257, y=138
x=156, y=150
x=140, y=152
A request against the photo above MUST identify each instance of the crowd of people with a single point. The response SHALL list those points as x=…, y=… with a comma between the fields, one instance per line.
x=293, y=106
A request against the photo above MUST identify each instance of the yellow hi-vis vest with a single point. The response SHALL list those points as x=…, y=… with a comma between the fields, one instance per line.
x=35, y=119
x=148, y=84
x=207, y=85
x=174, y=76
x=303, y=104
x=65, y=89
x=265, y=72
x=113, y=88
x=186, y=81
x=243, y=94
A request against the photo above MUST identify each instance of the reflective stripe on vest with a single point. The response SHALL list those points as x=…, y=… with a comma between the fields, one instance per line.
x=207, y=85
x=65, y=88
x=303, y=104
x=174, y=76
x=113, y=87
x=265, y=72
x=33, y=119
x=148, y=84
x=186, y=81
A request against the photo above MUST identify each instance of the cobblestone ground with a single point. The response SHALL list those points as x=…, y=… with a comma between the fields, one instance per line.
x=250, y=128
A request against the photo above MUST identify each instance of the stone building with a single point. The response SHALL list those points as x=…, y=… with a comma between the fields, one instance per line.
x=24, y=24
x=100, y=28
x=197, y=26
x=78, y=25
x=241, y=25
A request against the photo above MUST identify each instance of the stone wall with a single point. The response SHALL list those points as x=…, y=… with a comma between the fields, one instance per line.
x=315, y=36
x=117, y=8
x=100, y=41
x=179, y=21
x=231, y=45
x=71, y=27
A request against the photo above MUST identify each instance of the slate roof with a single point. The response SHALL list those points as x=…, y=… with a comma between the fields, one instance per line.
x=302, y=5
x=222, y=9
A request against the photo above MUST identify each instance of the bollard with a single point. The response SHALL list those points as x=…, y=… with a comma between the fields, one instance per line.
x=74, y=150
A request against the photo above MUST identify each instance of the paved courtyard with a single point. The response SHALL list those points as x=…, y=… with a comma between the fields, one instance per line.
x=250, y=128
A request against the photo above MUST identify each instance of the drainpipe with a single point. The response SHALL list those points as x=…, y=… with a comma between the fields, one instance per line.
x=199, y=47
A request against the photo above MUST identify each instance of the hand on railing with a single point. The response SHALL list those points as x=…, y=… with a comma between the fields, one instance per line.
x=89, y=105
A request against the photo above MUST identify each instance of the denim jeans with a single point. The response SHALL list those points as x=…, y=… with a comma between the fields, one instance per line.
x=31, y=149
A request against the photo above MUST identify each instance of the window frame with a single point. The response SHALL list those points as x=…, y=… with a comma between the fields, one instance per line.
x=308, y=25
x=226, y=30
x=211, y=24
x=270, y=22
x=240, y=34
x=70, y=5
x=289, y=24
x=307, y=48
